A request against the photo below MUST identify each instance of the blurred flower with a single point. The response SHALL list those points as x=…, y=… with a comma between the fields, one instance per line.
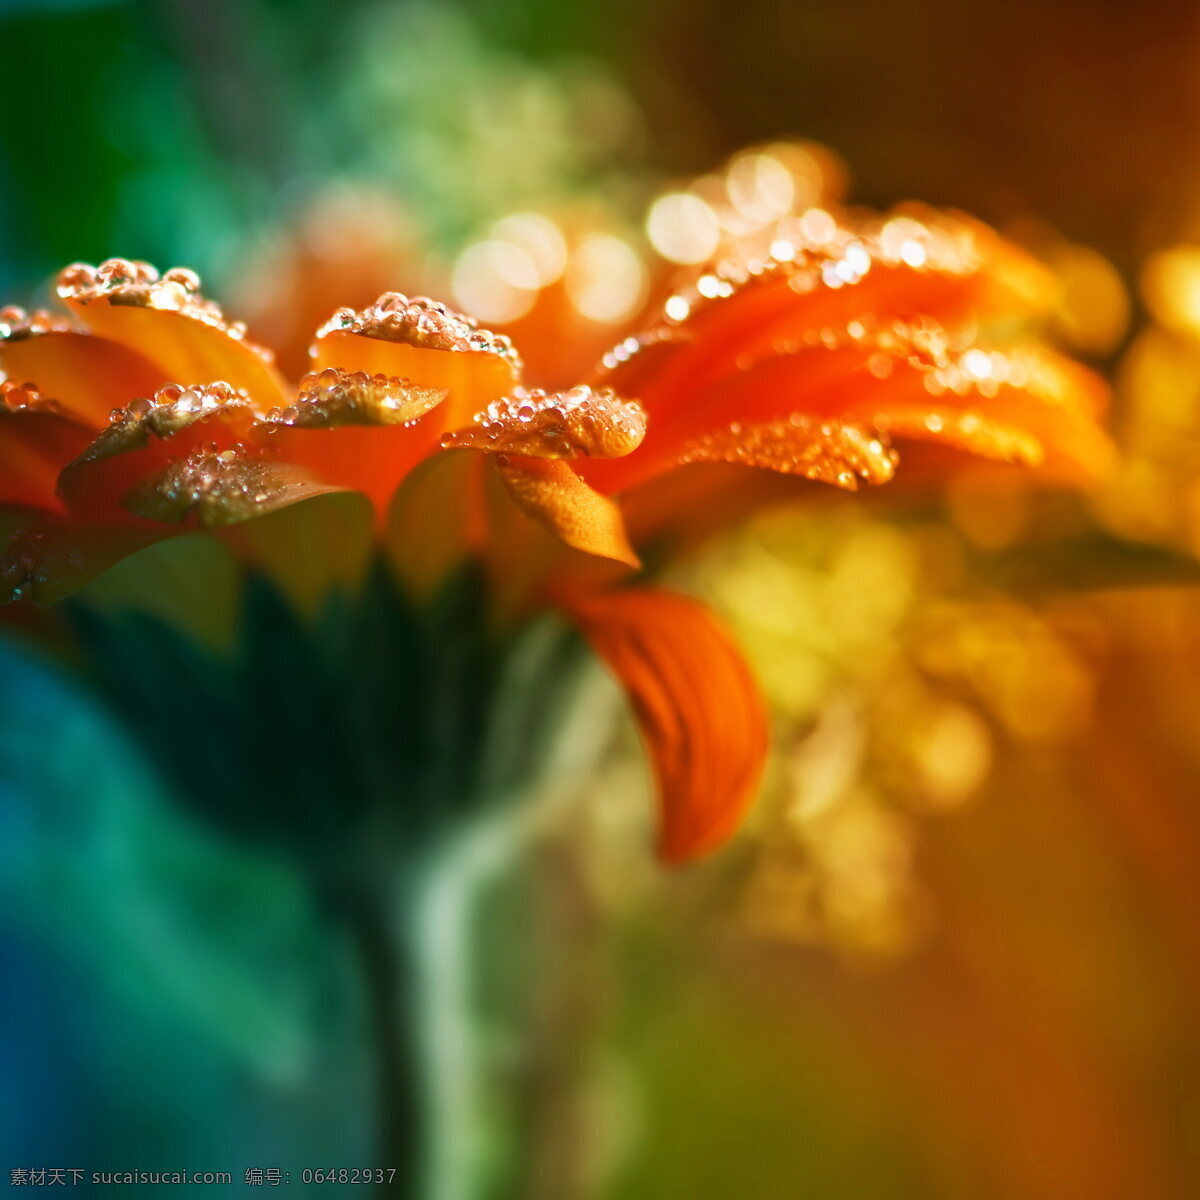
x=349, y=243
x=564, y=283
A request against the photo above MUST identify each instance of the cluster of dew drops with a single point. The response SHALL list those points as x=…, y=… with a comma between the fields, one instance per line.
x=421, y=321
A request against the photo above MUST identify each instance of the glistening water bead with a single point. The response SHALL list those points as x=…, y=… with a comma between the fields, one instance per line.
x=120, y=281
x=332, y=397
x=219, y=486
x=172, y=408
x=17, y=324
x=580, y=422
x=811, y=251
x=424, y=323
x=837, y=454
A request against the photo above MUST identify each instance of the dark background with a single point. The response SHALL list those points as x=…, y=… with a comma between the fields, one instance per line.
x=162, y=123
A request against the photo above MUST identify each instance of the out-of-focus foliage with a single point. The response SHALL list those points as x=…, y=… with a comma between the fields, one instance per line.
x=166, y=956
x=208, y=125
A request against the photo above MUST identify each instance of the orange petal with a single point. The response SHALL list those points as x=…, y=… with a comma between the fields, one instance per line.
x=531, y=434
x=700, y=711
x=1033, y=407
x=1026, y=405
x=434, y=520
x=422, y=340
x=354, y=430
x=333, y=398
x=799, y=384
x=820, y=276
x=826, y=452
x=145, y=437
x=47, y=559
x=579, y=423
x=549, y=491
x=314, y=545
x=168, y=322
x=90, y=375
x=220, y=488
x=36, y=438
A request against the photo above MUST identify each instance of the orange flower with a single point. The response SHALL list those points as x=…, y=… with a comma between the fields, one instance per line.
x=812, y=350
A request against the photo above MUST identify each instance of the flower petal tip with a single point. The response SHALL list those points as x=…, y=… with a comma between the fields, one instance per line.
x=579, y=423
x=550, y=492
x=334, y=397
x=219, y=488
x=700, y=711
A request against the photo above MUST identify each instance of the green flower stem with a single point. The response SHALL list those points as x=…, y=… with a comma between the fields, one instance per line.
x=464, y=1131
x=390, y=976
x=374, y=916
x=414, y=938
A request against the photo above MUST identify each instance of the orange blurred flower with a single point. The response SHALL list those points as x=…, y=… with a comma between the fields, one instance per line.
x=809, y=343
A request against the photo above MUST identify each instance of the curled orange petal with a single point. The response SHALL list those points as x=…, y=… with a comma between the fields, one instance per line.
x=88, y=374
x=145, y=437
x=579, y=423
x=166, y=320
x=1026, y=405
x=1023, y=404
x=550, y=492
x=700, y=712
x=47, y=558
x=826, y=452
x=220, y=488
x=354, y=430
x=907, y=381
x=37, y=437
x=333, y=397
x=422, y=340
x=820, y=274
